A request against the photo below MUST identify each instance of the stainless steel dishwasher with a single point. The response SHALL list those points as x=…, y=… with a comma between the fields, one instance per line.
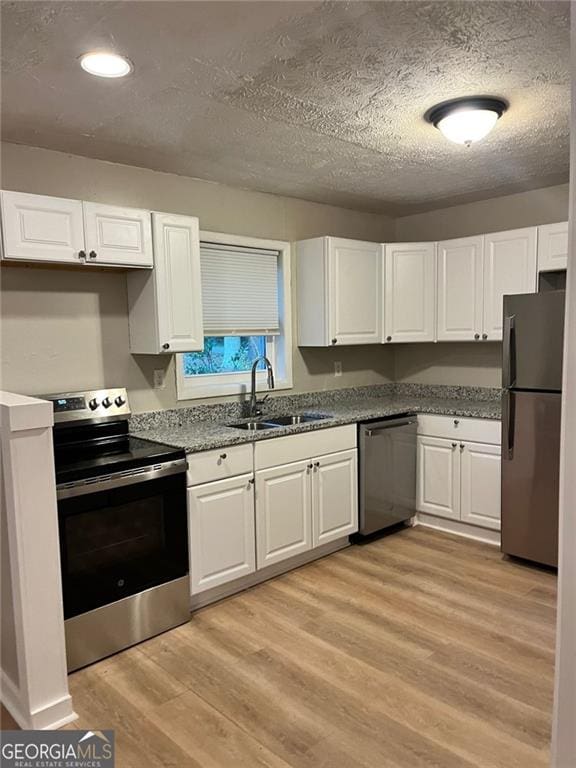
x=387, y=470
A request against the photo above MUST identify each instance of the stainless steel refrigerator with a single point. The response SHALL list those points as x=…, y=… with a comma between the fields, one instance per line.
x=531, y=407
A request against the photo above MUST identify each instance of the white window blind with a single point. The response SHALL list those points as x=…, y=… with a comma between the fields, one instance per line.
x=239, y=290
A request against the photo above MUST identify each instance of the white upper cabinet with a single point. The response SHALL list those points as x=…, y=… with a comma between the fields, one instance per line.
x=553, y=247
x=509, y=268
x=165, y=304
x=460, y=289
x=40, y=228
x=410, y=292
x=118, y=236
x=57, y=230
x=339, y=292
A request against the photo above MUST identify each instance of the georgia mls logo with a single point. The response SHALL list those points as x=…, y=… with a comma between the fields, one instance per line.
x=57, y=749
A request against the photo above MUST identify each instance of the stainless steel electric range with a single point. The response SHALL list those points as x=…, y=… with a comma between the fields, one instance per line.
x=123, y=527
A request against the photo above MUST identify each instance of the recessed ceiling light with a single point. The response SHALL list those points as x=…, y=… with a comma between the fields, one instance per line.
x=465, y=121
x=105, y=64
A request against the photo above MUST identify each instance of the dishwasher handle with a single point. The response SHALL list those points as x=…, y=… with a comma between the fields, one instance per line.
x=391, y=425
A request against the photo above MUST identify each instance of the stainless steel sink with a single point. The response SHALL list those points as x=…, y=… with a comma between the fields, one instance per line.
x=253, y=426
x=286, y=421
x=271, y=422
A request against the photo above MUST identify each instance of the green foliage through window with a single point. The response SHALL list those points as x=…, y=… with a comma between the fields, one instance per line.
x=225, y=354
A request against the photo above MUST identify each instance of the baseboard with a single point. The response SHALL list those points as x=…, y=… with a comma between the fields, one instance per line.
x=210, y=596
x=486, y=535
x=54, y=715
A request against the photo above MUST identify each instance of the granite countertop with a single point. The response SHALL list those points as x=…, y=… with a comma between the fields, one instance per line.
x=204, y=434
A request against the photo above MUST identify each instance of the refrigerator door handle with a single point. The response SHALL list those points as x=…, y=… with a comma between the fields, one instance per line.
x=509, y=352
x=507, y=425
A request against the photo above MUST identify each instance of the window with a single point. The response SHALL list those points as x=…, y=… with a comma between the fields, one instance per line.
x=246, y=308
x=225, y=354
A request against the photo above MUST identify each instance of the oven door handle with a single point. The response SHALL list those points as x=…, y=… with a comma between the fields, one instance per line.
x=118, y=479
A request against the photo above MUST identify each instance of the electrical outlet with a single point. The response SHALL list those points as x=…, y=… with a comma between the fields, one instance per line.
x=337, y=368
x=159, y=378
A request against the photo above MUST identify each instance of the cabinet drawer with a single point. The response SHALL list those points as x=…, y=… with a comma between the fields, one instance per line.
x=219, y=464
x=458, y=428
x=284, y=450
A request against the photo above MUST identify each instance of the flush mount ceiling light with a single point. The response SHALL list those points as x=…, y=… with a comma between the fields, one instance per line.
x=465, y=121
x=105, y=64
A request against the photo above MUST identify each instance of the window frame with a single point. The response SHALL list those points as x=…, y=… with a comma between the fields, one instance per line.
x=279, y=348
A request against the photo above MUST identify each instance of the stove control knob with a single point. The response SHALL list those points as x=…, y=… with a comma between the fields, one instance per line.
x=119, y=401
x=106, y=402
x=93, y=404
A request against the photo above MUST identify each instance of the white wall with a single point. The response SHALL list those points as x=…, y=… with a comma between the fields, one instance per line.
x=68, y=329
x=525, y=209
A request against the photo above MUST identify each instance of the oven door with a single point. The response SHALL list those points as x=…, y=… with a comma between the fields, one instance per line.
x=119, y=537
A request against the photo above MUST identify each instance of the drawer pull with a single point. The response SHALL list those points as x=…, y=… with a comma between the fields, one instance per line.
x=223, y=456
x=456, y=422
x=454, y=445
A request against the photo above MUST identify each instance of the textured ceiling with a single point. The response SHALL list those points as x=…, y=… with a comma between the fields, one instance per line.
x=322, y=101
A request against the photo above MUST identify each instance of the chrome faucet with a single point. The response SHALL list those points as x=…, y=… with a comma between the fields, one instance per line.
x=254, y=402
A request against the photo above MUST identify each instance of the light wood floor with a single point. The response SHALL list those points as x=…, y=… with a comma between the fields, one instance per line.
x=420, y=649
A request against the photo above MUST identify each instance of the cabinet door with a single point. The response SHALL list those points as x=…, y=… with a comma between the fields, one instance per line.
x=221, y=532
x=335, y=497
x=178, y=282
x=509, y=268
x=283, y=512
x=553, y=247
x=480, y=485
x=39, y=228
x=118, y=236
x=355, y=288
x=410, y=292
x=438, y=473
x=460, y=289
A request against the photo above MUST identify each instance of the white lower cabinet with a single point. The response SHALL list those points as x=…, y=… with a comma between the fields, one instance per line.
x=438, y=491
x=480, y=485
x=283, y=512
x=459, y=478
x=240, y=521
x=304, y=505
x=335, y=502
x=221, y=532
